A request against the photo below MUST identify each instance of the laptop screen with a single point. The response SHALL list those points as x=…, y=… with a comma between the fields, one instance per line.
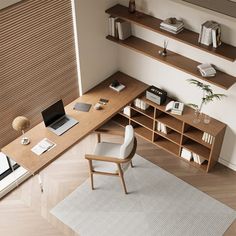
x=53, y=113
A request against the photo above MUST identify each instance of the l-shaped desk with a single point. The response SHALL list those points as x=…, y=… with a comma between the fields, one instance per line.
x=88, y=122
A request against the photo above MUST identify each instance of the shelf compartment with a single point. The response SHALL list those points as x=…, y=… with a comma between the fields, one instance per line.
x=171, y=122
x=196, y=135
x=149, y=112
x=121, y=120
x=226, y=51
x=143, y=120
x=172, y=135
x=175, y=60
x=197, y=148
x=166, y=144
x=142, y=131
x=203, y=166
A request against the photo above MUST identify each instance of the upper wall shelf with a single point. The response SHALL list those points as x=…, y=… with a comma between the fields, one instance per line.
x=226, y=51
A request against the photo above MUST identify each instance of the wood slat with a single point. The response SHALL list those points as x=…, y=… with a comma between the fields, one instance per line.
x=38, y=62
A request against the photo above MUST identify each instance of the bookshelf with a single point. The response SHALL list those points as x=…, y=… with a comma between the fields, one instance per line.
x=182, y=132
x=175, y=60
x=226, y=51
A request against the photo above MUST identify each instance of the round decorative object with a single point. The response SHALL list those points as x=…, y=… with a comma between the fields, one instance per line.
x=20, y=123
x=25, y=141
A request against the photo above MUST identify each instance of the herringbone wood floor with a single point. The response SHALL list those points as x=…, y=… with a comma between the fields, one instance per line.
x=25, y=211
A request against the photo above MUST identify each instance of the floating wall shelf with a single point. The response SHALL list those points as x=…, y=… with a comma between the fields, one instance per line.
x=175, y=60
x=226, y=51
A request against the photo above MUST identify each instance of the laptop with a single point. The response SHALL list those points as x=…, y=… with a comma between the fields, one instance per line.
x=56, y=120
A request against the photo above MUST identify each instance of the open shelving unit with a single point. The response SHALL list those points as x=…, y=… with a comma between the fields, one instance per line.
x=175, y=60
x=182, y=132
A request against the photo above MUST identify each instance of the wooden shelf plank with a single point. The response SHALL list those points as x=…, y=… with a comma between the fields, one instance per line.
x=167, y=145
x=143, y=120
x=143, y=133
x=121, y=120
x=226, y=51
x=175, y=60
x=148, y=112
x=171, y=122
x=196, y=135
x=172, y=136
x=197, y=148
x=203, y=166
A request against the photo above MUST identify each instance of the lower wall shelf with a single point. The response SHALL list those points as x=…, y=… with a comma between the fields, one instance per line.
x=175, y=60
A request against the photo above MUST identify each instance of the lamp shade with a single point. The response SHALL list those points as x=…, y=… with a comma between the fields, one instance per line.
x=20, y=123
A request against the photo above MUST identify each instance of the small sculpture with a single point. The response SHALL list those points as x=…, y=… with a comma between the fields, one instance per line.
x=163, y=52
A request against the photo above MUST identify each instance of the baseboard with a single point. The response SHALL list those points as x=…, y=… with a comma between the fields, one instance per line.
x=228, y=164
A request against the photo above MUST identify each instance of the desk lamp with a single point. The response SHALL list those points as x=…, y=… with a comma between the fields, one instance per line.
x=21, y=123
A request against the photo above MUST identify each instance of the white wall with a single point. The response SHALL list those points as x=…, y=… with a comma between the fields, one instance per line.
x=174, y=81
x=98, y=56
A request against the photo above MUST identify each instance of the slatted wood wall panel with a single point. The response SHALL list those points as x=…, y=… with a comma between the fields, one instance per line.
x=37, y=60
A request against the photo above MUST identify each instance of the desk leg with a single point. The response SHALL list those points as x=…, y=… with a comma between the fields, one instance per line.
x=40, y=183
x=13, y=171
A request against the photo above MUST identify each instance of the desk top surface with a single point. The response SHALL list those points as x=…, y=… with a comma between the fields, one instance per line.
x=88, y=122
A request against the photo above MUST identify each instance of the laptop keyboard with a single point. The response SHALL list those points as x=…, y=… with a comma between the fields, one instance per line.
x=59, y=123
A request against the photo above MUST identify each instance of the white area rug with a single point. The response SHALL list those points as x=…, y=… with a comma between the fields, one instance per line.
x=158, y=203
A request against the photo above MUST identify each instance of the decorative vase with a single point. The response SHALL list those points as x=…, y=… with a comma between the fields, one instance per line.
x=206, y=119
x=132, y=7
x=197, y=116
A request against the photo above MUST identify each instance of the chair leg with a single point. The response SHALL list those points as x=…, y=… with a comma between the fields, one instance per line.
x=91, y=178
x=122, y=178
x=91, y=173
x=131, y=164
x=99, y=137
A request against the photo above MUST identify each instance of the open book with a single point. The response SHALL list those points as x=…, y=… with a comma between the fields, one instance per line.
x=43, y=146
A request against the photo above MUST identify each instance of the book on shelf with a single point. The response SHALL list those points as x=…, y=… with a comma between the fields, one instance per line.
x=186, y=154
x=207, y=138
x=210, y=34
x=127, y=111
x=172, y=25
x=206, y=70
x=112, y=27
x=197, y=158
x=124, y=29
x=139, y=103
x=162, y=128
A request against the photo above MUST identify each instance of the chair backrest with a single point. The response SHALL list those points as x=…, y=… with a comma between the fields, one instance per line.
x=127, y=146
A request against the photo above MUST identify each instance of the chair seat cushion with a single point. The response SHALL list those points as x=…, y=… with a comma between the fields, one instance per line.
x=111, y=150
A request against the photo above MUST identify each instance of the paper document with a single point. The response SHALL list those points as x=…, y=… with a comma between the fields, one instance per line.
x=43, y=146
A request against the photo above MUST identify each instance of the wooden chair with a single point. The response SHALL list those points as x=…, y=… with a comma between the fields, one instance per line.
x=111, y=158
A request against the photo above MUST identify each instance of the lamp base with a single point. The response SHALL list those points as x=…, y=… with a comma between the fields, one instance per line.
x=25, y=141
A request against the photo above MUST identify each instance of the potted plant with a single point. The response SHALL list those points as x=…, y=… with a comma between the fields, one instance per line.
x=207, y=96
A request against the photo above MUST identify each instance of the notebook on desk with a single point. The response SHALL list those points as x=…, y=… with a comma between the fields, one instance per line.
x=56, y=120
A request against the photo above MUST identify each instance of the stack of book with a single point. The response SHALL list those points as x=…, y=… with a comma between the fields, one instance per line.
x=172, y=25
x=207, y=138
x=140, y=104
x=210, y=34
x=162, y=128
x=119, y=28
x=188, y=155
x=206, y=70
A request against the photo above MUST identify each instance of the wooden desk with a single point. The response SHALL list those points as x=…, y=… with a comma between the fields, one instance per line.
x=88, y=122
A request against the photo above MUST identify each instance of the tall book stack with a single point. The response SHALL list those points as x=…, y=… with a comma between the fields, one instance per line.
x=210, y=34
x=172, y=25
x=119, y=28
